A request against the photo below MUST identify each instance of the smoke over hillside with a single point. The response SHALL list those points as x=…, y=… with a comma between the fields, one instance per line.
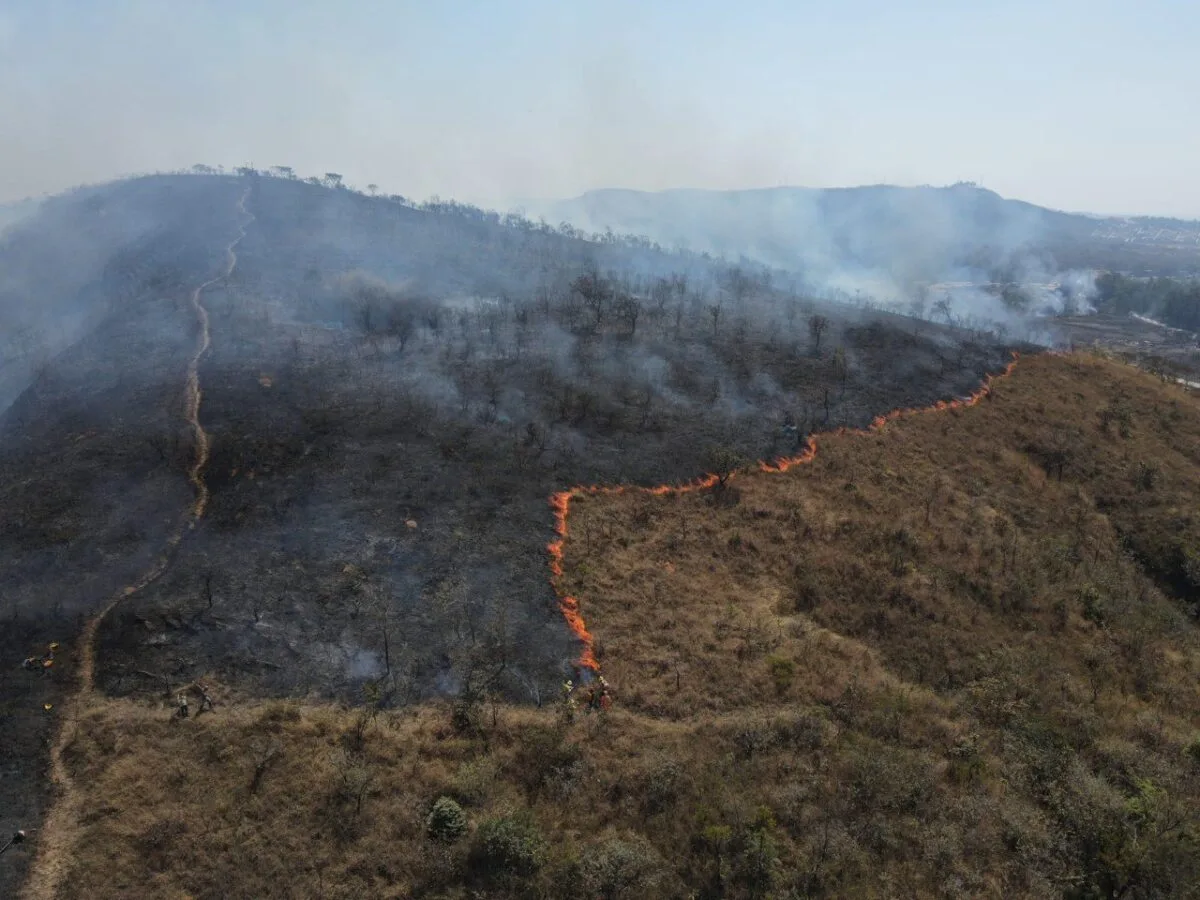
x=959, y=253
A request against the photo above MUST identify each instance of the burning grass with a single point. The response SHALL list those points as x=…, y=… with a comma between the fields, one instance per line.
x=953, y=656
x=560, y=501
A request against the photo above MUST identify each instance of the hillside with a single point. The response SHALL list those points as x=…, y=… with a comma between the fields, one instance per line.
x=297, y=441
x=956, y=656
x=881, y=239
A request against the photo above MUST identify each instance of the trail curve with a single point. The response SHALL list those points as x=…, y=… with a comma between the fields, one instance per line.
x=60, y=829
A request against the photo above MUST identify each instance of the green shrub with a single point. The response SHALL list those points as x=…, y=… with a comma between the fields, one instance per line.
x=799, y=730
x=447, y=821
x=1093, y=605
x=753, y=738
x=545, y=757
x=1146, y=475
x=1193, y=750
x=475, y=782
x=508, y=847
x=619, y=867
x=783, y=671
x=756, y=864
x=660, y=786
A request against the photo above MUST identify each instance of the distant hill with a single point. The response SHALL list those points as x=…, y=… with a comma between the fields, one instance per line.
x=857, y=236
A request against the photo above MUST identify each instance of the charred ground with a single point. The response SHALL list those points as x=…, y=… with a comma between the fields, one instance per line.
x=392, y=393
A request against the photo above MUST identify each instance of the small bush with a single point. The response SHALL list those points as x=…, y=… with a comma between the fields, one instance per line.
x=475, y=782
x=783, y=672
x=967, y=764
x=466, y=714
x=620, y=867
x=545, y=757
x=660, y=786
x=752, y=739
x=1145, y=475
x=1191, y=566
x=508, y=847
x=447, y=822
x=1193, y=750
x=1093, y=605
x=802, y=731
x=805, y=593
x=756, y=865
x=1117, y=412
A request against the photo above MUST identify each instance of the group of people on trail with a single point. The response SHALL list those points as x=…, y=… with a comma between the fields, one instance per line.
x=43, y=662
x=595, y=696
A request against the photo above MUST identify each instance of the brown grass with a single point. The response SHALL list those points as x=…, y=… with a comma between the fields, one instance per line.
x=953, y=658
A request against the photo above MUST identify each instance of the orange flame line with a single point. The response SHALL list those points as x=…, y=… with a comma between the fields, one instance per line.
x=560, y=501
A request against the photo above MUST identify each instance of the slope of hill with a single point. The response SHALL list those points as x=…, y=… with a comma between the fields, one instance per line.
x=956, y=656
x=389, y=394
x=882, y=238
x=69, y=266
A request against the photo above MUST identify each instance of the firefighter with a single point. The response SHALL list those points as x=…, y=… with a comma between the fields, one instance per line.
x=604, y=698
x=589, y=698
x=568, y=704
x=45, y=661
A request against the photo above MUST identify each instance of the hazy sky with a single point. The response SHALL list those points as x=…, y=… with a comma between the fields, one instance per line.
x=1078, y=104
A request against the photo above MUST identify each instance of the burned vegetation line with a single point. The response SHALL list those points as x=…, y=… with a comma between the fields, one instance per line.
x=560, y=501
x=59, y=830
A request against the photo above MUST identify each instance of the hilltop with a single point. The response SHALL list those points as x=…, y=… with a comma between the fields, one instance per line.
x=956, y=656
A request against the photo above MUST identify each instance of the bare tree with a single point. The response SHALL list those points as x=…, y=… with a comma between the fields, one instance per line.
x=595, y=293
x=817, y=326
x=401, y=325
x=714, y=313
x=941, y=307
x=629, y=308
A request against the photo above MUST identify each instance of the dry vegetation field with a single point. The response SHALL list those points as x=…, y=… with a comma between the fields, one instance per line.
x=956, y=657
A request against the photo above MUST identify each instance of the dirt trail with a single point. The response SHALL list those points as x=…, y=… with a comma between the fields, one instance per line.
x=59, y=831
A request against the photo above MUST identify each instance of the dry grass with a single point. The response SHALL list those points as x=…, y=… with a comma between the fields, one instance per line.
x=915, y=553
x=937, y=661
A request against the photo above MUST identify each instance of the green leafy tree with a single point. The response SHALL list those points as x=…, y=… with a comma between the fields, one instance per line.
x=446, y=821
x=723, y=462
